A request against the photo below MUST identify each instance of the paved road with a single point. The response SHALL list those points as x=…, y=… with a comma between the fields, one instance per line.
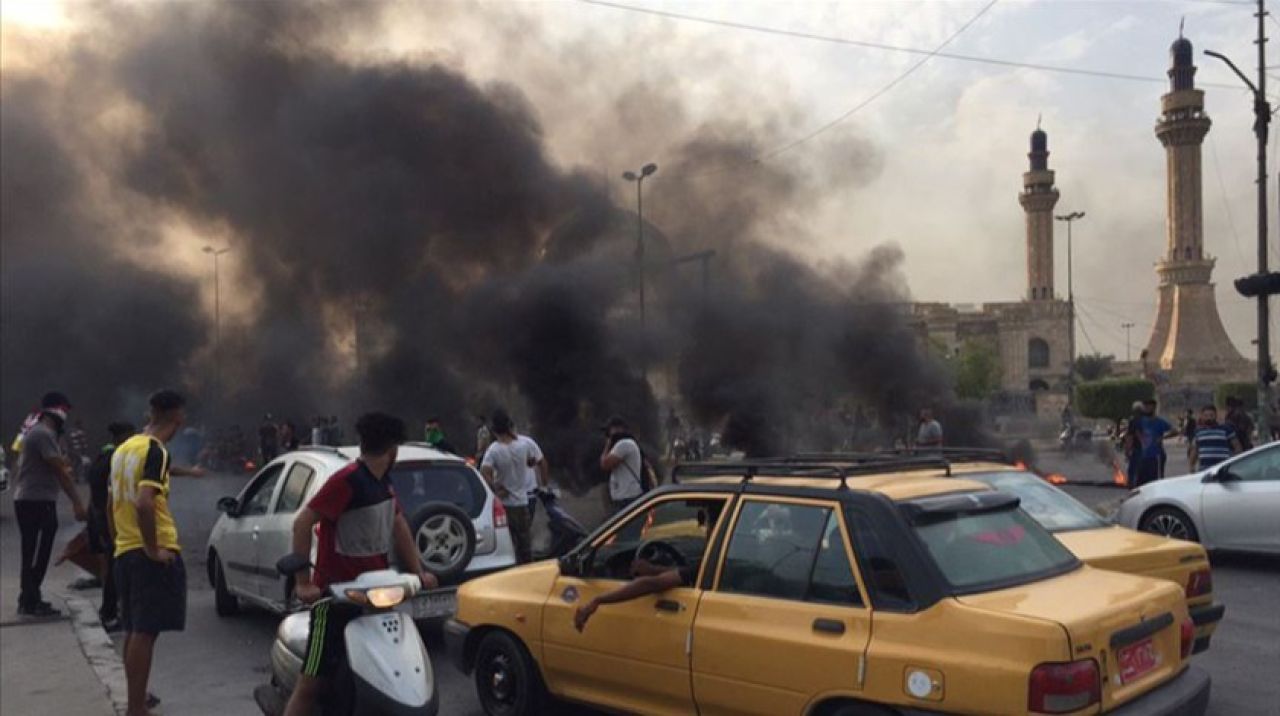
x=213, y=667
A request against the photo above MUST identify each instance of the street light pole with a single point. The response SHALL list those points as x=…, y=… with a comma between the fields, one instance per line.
x=1127, y=354
x=217, y=321
x=638, y=178
x=1071, y=308
x=1262, y=117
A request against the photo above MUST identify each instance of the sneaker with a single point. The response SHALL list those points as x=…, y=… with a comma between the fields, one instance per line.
x=152, y=700
x=42, y=610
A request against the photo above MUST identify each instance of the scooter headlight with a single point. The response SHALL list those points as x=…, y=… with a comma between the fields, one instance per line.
x=385, y=597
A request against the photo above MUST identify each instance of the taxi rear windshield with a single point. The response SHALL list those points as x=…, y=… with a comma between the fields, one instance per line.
x=991, y=549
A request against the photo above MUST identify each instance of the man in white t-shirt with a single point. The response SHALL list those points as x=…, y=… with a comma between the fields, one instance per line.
x=536, y=473
x=506, y=467
x=622, y=460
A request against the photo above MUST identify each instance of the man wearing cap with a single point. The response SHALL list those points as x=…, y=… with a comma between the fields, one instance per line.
x=621, y=458
x=43, y=470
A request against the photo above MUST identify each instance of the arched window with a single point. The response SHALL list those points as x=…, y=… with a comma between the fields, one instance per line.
x=1037, y=353
x=1038, y=384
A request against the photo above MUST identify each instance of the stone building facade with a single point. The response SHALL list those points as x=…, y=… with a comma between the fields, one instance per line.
x=1032, y=336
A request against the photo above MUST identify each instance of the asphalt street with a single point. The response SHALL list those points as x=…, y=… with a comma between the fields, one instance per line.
x=213, y=667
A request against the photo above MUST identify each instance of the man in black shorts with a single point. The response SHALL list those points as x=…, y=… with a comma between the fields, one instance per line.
x=358, y=523
x=101, y=535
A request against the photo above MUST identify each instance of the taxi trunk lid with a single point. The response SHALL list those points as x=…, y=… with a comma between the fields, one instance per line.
x=1109, y=618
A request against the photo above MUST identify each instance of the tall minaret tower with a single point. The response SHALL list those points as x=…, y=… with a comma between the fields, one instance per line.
x=1187, y=339
x=1038, y=198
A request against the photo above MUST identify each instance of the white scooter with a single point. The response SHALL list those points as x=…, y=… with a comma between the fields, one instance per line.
x=387, y=669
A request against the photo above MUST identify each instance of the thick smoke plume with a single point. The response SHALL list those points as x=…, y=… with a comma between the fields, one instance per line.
x=406, y=243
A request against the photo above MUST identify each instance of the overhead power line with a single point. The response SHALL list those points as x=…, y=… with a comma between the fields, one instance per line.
x=878, y=93
x=731, y=24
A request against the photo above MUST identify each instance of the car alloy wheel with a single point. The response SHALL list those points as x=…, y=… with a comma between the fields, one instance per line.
x=442, y=542
x=1169, y=525
x=502, y=685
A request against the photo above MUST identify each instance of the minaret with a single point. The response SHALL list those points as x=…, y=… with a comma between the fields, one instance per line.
x=1038, y=198
x=1187, y=338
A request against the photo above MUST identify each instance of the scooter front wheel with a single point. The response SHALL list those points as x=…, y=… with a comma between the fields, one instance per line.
x=508, y=682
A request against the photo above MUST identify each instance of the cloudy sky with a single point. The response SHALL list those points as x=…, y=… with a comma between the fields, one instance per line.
x=933, y=164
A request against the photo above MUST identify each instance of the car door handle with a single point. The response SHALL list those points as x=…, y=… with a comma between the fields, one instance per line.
x=829, y=626
x=668, y=605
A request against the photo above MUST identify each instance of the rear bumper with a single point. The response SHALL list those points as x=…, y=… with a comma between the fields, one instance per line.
x=1186, y=695
x=455, y=644
x=1206, y=619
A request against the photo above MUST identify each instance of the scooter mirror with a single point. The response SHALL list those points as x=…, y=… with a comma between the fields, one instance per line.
x=291, y=564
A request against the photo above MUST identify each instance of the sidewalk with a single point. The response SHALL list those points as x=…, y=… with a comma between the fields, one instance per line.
x=43, y=666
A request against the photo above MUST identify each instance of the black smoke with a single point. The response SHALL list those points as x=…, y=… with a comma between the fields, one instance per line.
x=406, y=243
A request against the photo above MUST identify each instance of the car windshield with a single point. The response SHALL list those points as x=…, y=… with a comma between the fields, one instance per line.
x=982, y=551
x=417, y=483
x=1054, y=509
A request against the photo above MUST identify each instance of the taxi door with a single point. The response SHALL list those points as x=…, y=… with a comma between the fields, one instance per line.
x=632, y=656
x=786, y=624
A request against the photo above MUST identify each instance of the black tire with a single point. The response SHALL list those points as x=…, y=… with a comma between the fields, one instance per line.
x=1169, y=522
x=508, y=682
x=225, y=603
x=445, y=539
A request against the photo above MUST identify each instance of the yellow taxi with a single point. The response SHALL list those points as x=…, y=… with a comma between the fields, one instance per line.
x=1107, y=546
x=828, y=590
x=1092, y=539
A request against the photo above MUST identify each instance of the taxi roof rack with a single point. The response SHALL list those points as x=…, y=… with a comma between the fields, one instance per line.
x=817, y=469
x=951, y=454
x=321, y=448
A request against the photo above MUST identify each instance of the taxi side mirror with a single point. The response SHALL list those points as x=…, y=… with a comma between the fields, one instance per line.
x=229, y=505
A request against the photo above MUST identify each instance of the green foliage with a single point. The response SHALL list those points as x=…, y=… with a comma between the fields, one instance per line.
x=976, y=370
x=1094, y=367
x=1111, y=399
x=1246, y=392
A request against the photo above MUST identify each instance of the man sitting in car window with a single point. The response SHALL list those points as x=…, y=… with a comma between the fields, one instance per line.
x=651, y=574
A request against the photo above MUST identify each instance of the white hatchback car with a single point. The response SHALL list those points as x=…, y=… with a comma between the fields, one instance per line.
x=1234, y=505
x=459, y=526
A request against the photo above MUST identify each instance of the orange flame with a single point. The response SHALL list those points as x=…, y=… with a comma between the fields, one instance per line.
x=1056, y=479
x=1020, y=465
x=1118, y=477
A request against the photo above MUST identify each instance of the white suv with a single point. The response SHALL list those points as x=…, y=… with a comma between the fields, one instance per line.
x=458, y=524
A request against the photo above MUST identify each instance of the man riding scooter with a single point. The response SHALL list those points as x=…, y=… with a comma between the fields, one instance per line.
x=359, y=522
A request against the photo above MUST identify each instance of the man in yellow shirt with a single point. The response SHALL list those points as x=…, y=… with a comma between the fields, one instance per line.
x=150, y=577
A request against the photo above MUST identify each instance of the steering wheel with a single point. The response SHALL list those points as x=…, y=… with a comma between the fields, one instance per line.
x=661, y=554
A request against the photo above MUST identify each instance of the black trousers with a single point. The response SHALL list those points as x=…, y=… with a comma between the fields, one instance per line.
x=38, y=524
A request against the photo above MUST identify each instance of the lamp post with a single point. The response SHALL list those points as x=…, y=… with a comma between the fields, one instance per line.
x=1256, y=285
x=217, y=321
x=1127, y=327
x=1071, y=308
x=638, y=178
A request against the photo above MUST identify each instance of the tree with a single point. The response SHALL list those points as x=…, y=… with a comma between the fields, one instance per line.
x=1112, y=399
x=1094, y=367
x=976, y=370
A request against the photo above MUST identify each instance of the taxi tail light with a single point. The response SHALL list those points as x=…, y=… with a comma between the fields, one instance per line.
x=1061, y=688
x=499, y=514
x=1199, y=583
x=1188, y=635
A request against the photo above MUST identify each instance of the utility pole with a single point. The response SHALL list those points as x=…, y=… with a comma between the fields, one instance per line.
x=638, y=178
x=1264, y=283
x=1127, y=327
x=1071, y=308
x=217, y=322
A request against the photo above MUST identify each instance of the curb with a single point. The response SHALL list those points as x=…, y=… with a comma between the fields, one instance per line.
x=99, y=650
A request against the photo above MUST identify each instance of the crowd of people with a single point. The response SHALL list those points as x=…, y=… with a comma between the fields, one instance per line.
x=1207, y=439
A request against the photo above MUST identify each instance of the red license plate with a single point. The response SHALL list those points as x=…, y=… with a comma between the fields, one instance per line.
x=1136, y=660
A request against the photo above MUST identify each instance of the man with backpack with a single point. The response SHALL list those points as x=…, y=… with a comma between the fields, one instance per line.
x=624, y=462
